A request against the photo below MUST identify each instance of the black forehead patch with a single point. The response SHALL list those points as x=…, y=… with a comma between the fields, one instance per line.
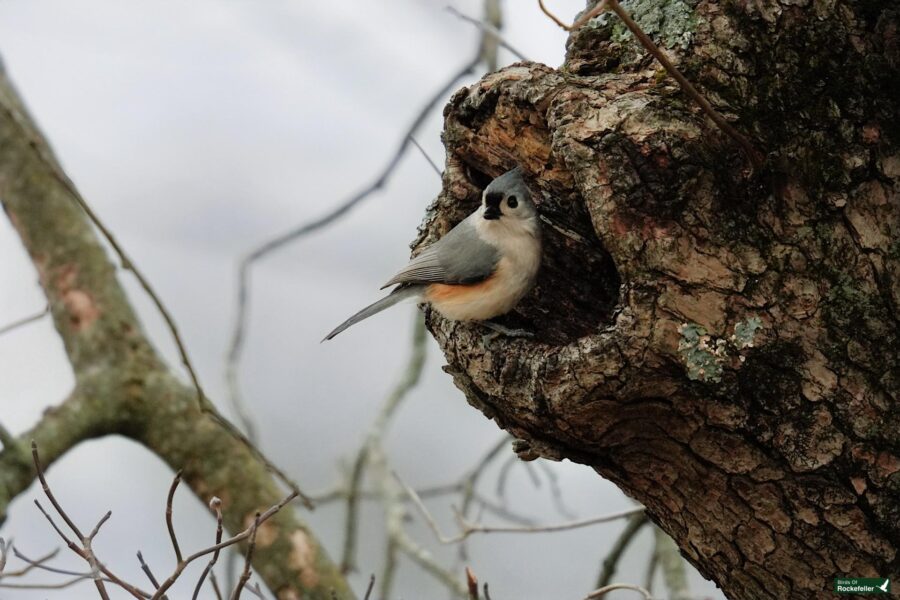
x=493, y=199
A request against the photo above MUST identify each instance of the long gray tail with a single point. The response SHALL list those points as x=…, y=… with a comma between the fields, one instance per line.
x=398, y=295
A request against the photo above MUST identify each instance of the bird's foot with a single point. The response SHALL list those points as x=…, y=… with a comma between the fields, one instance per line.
x=497, y=329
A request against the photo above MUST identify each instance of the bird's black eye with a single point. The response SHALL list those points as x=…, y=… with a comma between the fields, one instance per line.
x=512, y=202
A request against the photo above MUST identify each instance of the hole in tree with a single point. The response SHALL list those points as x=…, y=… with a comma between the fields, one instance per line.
x=577, y=288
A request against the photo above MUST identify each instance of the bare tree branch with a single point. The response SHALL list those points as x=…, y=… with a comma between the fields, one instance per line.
x=610, y=562
x=179, y=568
x=672, y=565
x=236, y=346
x=25, y=321
x=46, y=586
x=85, y=550
x=388, y=569
x=251, y=545
x=149, y=573
x=472, y=584
x=555, y=490
x=427, y=158
x=216, y=506
x=467, y=528
x=618, y=586
x=40, y=563
x=553, y=17
x=488, y=28
x=752, y=153
x=369, y=588
x=169, y=525
x=122, y=384
x=652, y=562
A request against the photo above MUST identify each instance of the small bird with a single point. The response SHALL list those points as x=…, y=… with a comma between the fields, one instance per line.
x=481, y=268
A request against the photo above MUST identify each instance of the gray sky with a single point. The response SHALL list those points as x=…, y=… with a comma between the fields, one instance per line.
x=197, y=130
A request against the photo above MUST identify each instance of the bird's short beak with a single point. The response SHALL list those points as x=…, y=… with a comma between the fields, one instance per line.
x=492, y=213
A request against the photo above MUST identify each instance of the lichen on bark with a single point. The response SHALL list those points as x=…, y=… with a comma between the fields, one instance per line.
x=780, y=470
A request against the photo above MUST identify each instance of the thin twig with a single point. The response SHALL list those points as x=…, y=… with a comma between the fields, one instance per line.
x=752, y=153
x=371, y=586
x=215, y=585
x=553, y=17
x=218, y=546
x=146, y=569
x=215, y=504
x=532, y=474
x=29, y=564
x=555, y=490
x=618, y=586
x=487, y=28
x=672, y=566
x=350, y=536
x=169, y=525
x=251, y=546
x=254, y=589
x=236, y=346
x=340, y=493
x=4, y=553
x=85, y=551
x=427, y=158
x=472, y=584
x=391, y=492
x=471, y=482
x=59, y=509
x=25, y=321
x=46, y=586
x=493, y=15
x=652, y=562
x=386, y=581
x=755, y=157
x=72, y=545
x=39, y=564
x=99, y=524
x=408, y=381
x=598, y=8
x=503, y=476
x=610, y=562
x=468, y=528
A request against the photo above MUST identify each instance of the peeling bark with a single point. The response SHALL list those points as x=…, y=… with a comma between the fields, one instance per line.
x=723, y=344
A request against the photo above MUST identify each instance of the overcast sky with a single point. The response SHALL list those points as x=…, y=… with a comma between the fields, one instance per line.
x=198, y=130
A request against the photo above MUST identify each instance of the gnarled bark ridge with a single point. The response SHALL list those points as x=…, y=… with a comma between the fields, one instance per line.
x=721, y=342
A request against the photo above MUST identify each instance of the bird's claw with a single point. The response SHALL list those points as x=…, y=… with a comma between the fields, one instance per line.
x=497, y=329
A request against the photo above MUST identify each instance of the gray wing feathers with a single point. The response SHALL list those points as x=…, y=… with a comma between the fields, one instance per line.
x=398, y=295
x=425, y=267
x=459, y=257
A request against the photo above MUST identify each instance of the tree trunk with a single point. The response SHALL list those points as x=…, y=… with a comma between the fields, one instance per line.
x=720, y=341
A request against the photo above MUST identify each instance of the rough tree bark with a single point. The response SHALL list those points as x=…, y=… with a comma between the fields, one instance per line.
x=122, y=385
x=721, y=342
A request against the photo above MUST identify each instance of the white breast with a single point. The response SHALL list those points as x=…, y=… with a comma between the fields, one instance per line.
x=519, y=243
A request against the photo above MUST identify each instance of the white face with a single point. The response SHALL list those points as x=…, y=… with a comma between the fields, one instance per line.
x=511, y=204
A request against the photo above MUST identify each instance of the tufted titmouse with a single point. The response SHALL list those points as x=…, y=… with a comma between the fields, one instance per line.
x=481, y=268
